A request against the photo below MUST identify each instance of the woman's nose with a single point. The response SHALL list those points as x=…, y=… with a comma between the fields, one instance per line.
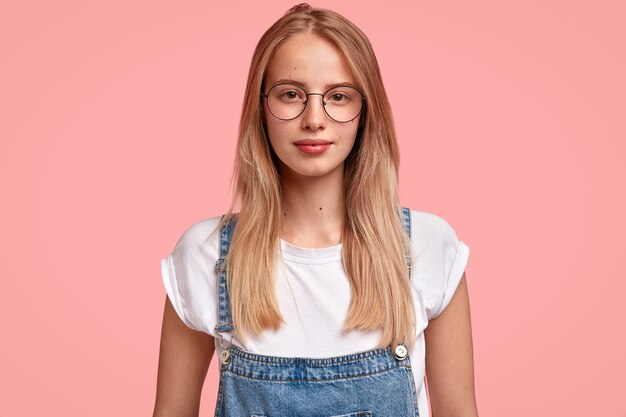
x=314, y=115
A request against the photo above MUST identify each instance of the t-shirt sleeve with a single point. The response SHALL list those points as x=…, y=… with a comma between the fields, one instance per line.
x=440, y=260
x=190, y=279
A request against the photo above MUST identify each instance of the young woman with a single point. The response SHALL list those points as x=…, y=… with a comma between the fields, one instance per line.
x=321, y=295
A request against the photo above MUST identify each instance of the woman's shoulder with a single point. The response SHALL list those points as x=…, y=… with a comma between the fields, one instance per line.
x=201, y=229
x=188, y=274
x=199, y=242
x=199, y=232
x=440, y=259
x=433, y=237
x=426, y=226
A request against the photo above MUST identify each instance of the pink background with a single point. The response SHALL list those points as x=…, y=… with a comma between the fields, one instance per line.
x=118, y=122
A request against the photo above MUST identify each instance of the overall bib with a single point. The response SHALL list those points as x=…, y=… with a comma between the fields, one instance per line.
x=377, y=382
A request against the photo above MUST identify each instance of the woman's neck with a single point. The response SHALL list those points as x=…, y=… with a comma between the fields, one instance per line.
x=312, y=209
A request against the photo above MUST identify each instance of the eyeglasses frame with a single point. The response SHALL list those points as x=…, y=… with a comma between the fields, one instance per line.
x=306, y=102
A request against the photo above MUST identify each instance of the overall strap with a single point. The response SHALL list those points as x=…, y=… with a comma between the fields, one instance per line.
x=406, y=216
x=225, y=322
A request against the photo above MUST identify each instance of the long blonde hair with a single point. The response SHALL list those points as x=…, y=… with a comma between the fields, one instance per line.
x=374, y=243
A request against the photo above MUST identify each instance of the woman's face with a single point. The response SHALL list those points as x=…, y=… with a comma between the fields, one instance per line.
x=316, y=65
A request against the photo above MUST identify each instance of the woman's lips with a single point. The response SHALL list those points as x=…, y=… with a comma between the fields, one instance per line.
x=312, y=146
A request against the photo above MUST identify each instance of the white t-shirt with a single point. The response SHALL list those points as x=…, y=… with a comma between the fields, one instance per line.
x=313, y=292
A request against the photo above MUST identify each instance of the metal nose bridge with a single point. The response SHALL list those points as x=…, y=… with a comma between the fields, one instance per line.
x=314, y=94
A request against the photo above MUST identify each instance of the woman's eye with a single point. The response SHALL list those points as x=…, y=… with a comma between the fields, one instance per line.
x=290, y=95
x=338, y=97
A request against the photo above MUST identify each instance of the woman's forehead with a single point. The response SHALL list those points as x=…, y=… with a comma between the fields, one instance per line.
x=310, y=61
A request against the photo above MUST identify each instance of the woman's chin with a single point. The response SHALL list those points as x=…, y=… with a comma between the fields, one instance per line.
x=311, y=172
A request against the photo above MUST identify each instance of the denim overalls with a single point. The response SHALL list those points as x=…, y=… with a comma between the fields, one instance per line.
x=377, y=382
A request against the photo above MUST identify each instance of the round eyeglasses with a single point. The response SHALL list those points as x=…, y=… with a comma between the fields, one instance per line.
x=287, y=101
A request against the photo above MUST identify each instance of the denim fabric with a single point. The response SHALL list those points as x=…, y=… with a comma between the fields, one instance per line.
x=371, y=383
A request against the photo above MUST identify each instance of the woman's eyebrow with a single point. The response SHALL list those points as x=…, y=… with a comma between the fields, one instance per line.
x=326, y=87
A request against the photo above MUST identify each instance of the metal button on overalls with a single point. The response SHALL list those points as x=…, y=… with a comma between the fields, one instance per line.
x=400, y=352
x=225, y=357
